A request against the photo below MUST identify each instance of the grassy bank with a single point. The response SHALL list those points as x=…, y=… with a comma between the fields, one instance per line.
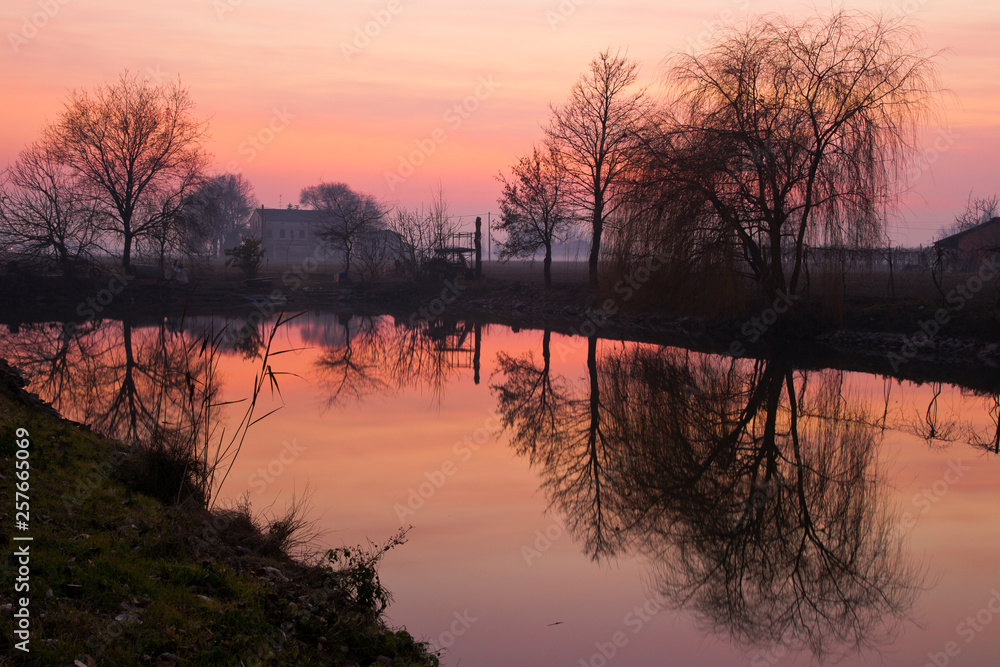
x=120, y=578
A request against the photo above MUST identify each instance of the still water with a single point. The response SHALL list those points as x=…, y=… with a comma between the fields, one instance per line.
x=590, y=502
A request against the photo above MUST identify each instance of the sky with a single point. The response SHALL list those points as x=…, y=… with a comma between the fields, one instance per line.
x=397, y=97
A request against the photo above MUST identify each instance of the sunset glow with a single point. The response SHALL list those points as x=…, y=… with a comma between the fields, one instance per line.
x=362, y=89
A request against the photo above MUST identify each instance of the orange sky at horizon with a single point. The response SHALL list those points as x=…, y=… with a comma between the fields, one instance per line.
x=323, y=105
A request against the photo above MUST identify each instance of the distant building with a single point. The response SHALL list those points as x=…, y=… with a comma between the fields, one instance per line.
x=288, y=234
x=966, y=249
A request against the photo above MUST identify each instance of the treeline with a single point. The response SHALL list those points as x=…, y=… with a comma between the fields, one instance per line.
x=777, y=136
x=122, y=171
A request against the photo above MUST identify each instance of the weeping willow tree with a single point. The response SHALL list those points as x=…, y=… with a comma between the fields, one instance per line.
x=782, y=133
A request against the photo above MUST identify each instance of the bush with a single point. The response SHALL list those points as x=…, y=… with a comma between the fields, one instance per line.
x=247, y=256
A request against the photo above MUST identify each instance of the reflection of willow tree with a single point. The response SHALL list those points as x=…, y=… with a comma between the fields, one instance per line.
x=126, y=382
x=987, y=439
x=930, y=426
x=379, y=356
x=752, y=489
x=941, y=425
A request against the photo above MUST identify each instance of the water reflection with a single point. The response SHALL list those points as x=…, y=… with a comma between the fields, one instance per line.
x=751, y=489
x=377, y=356
x=988, y=438
x=128, y=382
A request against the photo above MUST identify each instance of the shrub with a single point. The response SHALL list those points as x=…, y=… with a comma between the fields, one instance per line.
x=247, y=256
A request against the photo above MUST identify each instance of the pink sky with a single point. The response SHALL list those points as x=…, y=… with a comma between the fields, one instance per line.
x=324, y=105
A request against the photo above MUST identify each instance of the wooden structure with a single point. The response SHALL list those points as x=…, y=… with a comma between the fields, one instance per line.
x=460, y=254
x=457, y=347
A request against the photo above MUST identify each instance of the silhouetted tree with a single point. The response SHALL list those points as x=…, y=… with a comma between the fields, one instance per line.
x=343, y=215
x=45, y=212
x=534, y=209
x=218, y=211
x=247, y=256
x=596, y=136
x=781, y=133
x=138, y=150
x=420, y=232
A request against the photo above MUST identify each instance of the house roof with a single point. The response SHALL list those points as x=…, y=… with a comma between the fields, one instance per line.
x=287, y=215
x=951, y=242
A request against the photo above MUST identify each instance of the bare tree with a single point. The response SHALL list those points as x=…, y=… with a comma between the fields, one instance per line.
x=784, y=132
x=533, y=207
x=421, y=232
x=374, y=249
x=44, y=213
x=596, y=136
x=139, y=151
x=977, y=211
x=343, y=215
x=218, y=211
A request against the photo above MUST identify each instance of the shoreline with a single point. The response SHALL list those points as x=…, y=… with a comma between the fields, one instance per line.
x=117, y=576
x=885, y=337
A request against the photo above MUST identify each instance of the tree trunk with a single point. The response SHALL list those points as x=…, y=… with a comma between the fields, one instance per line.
x=594, y=426
x=163, y=257
x=126, y=252
x=64, y=261
x=547, y=265
x=595, y=248
x=777, y=268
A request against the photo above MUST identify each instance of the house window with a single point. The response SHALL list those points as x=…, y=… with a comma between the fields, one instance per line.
x=270, y=233
x=302, y=233
x=281, y=233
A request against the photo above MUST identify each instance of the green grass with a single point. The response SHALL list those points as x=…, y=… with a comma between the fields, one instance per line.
x=119, y=578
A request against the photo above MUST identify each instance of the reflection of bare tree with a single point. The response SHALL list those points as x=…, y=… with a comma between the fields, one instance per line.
x=47, y=354
x=351, y=371
x=126, y=382
x=153, y=387
x=753, y=491
x=563, y=432
x=380, y=356
x=530, y=401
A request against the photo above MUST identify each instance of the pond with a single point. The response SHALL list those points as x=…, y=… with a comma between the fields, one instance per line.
x=583, y=501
